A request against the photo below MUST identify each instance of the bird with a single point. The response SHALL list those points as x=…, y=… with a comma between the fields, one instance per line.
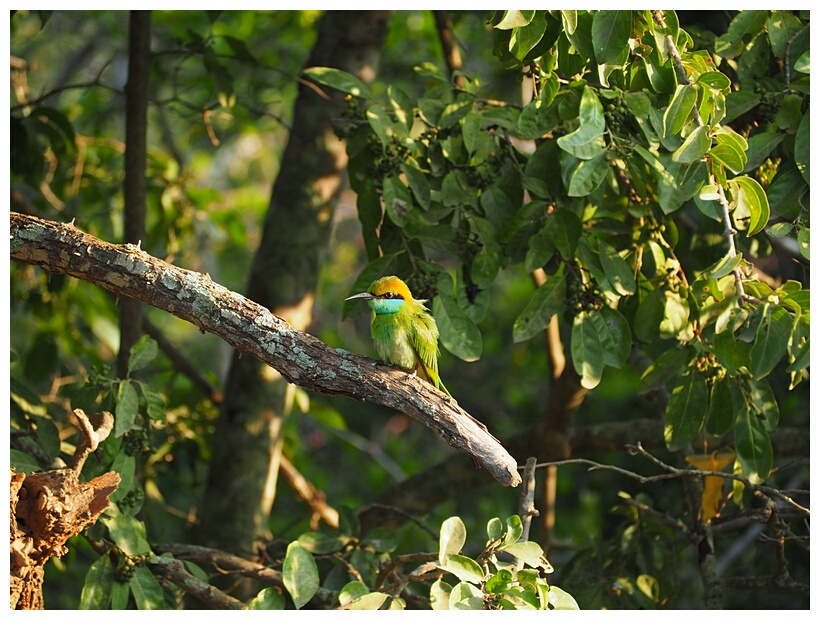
x=404, y=332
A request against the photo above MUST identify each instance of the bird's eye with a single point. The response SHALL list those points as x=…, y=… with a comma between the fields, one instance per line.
x=391, y=295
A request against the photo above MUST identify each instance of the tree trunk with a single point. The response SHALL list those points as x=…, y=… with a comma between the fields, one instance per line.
x=247, y=445
x=136, y=123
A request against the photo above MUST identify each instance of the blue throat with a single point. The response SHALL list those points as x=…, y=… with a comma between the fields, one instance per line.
x=385, y=306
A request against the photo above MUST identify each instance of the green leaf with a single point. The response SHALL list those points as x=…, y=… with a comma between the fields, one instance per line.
x=322, y=543
x=452, y=537
x=723, y=396
x=680, y=109
x=125, y=414
x=695, y=146
x=729, y=152
x=541, y=249
x=148, y=594
x=500, y=582
x=785, y=191
x=515, y=19
x=567, y=229
x=531, y=553
x=23, y=462
x=802, y=147
x=381, y=539
x=120, y=595
x=617, y=270
x=440, y=593
x=686, y=410
x=731, y=353
x=371, y=601
x=351, y=591
x=584, y=143
x=616, y=337
x=267, y=599
x=349, y=524
x=397, y=200
x=587, y=351
x=760, y=147
x=455, y=190
x=739, y=102
x=757, y=202
x=127, y=533
x=99, y=581
x=559, y=599
x=525, y=38
x=495, y=529
x=716, y=80
x=610, y=34
x=764, y=402
x=519, y=598
x=514, y=530
x=589, y=175
x=803, y=242
x=547, y=300
x=155, y=403
x=724, y=266
x=125, y=465
x=671, y=363
x=675, y=314
x=752, y=445
x=466, y=596
x=569, y=20
x=340, y=80
x=458, y=334
x=382, y=124
x=142, y=353
x=771, y=340
x=466, y=569
x=299, y=574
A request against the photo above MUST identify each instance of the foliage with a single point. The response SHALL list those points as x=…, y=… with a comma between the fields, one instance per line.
x=657, y=176
x=633, y=129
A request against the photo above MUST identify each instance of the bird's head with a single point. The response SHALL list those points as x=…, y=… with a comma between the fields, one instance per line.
x=386, y=295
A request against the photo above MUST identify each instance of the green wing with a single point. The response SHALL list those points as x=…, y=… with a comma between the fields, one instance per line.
x=424, y=339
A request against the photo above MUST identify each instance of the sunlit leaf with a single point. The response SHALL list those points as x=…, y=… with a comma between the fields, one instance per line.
x=269, y=599
x=452, y=537
x=299, y=574
x=340, y=80
x=680, y=109
x=757, y=203
x=587, y=350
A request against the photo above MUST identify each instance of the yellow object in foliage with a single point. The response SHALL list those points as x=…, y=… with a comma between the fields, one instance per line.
x=712, y=485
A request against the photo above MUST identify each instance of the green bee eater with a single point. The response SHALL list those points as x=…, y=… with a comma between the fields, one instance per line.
x=404, y=332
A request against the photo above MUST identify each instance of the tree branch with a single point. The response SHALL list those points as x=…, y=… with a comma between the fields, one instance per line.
x=252, y=329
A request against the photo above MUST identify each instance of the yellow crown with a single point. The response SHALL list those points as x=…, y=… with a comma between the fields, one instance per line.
x=392, y=284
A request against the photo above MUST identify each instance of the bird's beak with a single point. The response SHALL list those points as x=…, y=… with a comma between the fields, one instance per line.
x=361, y=296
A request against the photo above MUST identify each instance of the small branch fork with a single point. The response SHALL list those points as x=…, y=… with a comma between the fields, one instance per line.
x=674, y=472
x=250, y=328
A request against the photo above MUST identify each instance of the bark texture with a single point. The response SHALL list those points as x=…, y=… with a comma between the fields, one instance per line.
x=46, y=509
